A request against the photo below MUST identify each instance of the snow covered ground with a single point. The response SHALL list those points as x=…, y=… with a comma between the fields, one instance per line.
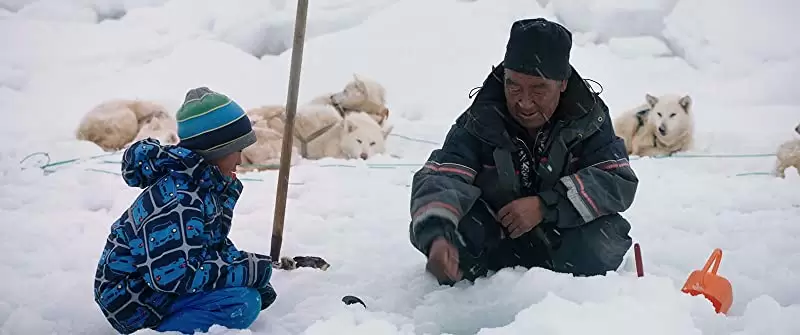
x=738, y=60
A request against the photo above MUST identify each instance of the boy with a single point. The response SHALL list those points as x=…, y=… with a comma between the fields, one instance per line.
x=168, y=264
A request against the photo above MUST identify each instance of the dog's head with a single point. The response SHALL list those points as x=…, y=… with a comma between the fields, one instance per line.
x=358, y=92
x=670, y=115
x=165, y=130
x=362, y=137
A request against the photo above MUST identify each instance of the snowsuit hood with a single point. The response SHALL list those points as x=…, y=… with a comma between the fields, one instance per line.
x=146, y=161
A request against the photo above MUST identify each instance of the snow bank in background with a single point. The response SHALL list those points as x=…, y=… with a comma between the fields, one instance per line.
x=613, y=18
x=11, y=77
x=735, y=32
x=75, y=10
x=14, y=5
x=749, y=45
x=247, y=26
x=258, y=27
x=638, y=47
x=58, y=10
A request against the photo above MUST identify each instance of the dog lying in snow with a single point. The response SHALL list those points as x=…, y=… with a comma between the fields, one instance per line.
x=114, y=124
x=788, y=155
x=160, y=126
x=359, y=95
x=320, y=131
x=662, y=126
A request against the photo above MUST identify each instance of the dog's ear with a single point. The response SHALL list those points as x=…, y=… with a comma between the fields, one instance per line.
x=685, y=102
x=359, y=83
x=651, y=100
x=384, y=113
x=349, y=125
x=387, y=130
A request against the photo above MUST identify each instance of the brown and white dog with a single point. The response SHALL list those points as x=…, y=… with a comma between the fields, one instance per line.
x=359, y=95
x=114, y=124
x=788, y=154
x=319, y=131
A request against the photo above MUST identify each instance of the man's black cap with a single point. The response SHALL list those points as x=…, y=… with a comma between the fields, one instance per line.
x=539, y=47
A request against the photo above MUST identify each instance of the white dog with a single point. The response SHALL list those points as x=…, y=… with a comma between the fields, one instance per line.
x=320, y=131
x=114, y=124
x=788, y=155
x=662, y=126
x=359, y=95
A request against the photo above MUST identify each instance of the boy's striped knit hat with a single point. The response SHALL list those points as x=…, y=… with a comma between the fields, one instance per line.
x=212, y=124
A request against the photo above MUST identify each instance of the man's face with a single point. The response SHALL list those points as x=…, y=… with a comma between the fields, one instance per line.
x=227, y=165
x=532, y=100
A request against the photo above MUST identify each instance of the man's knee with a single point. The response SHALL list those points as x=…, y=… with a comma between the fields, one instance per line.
x=594, y=248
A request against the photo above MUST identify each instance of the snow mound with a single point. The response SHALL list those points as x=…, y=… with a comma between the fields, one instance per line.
x=734, y=36
x=88, y=11
x=58, y=10
x=11, y=77
x=247, y=26
x=734, y=40
x=14, y=5
x=638, y=47
x=613, y=18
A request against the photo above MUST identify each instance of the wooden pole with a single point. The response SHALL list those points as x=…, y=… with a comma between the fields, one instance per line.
x=288, y=133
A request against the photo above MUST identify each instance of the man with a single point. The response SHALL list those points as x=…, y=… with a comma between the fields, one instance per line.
x=168, y=264
x=530, y=175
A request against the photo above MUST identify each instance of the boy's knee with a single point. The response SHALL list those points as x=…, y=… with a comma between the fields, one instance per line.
x=268, y=296
x=251, y=302
x=245, y=309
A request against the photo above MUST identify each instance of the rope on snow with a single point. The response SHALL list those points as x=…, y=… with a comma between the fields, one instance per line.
x=46, y=163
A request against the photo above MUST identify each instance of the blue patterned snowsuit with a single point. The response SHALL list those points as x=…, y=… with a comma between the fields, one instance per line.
x=173, y=240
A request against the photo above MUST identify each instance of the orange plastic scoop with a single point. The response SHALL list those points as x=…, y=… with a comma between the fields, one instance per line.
x=715, y=288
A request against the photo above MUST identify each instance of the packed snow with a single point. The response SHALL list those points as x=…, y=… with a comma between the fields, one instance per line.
x=737, y=59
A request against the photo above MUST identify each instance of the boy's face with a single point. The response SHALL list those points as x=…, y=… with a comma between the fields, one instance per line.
x=227, y=165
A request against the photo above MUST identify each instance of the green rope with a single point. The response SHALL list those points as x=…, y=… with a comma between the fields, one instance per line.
x=415, y=139
x=682, y=155
x=753, y=174
x=47, y=165
x=240, y=178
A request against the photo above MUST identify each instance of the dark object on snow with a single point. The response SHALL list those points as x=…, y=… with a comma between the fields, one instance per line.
x=349, y=300
x=539, y=47
x=637, y=253
x=287, y=263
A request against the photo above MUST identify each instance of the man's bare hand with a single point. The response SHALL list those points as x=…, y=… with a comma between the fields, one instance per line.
x=521, y=216
x=443, y=260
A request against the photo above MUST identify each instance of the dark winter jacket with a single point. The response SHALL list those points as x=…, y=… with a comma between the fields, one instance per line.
x=576, y=164
x=173, y=240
